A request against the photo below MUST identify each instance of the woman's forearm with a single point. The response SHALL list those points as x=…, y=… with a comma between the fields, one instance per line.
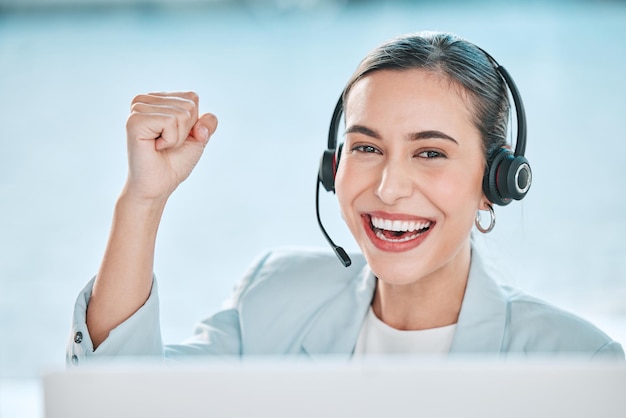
x=124, y=280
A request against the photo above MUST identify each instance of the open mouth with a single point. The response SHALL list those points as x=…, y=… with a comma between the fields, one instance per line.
x=398, y=231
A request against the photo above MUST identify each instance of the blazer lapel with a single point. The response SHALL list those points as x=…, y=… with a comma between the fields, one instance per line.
x=336, y=327
x=482, y=320
x=480, y=328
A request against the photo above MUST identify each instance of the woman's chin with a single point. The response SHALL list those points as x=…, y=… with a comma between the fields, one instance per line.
x=392, y=270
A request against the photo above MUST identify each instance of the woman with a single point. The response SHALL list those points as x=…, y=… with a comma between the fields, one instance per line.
x=425, y=118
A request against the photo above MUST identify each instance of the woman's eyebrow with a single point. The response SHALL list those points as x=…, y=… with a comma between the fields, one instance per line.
x=364, y=130
x=360, y=129
x=431, y=134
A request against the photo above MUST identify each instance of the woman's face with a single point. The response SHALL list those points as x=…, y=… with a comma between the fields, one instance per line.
x=409, y=181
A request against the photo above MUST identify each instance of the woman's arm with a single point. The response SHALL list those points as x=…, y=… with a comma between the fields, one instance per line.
x=166, y=139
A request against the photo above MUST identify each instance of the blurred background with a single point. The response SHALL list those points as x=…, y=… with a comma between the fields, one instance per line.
x=271, y=70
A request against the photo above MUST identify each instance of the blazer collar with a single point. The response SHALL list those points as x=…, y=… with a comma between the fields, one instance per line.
x=484, y=312
x=337, y=326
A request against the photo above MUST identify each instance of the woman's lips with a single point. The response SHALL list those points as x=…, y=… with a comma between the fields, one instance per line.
x=396, y=233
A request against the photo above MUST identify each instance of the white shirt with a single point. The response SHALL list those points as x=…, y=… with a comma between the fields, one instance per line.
x=376, y=337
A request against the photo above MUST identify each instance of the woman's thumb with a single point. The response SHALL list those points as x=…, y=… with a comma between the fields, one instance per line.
x=204, y=127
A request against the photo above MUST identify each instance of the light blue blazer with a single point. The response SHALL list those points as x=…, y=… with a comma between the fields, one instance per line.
x=304, y=302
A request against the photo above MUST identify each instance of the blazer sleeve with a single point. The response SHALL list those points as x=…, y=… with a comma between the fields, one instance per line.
x=139, y=335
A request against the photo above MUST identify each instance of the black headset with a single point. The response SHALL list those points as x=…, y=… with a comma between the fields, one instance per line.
x=507, y=174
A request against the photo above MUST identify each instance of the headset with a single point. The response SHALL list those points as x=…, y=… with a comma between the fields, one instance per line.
x=507, y=173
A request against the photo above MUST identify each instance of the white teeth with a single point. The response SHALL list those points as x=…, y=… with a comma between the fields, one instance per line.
x=399, y=226
x=382, y=236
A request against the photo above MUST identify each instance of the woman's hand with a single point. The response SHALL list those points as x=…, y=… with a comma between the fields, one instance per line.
x=166, y=139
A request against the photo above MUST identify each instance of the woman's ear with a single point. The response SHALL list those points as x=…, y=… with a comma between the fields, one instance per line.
x=484, y=203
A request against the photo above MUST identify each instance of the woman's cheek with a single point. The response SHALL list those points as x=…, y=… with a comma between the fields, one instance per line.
x=349, y=185
x=340, y=189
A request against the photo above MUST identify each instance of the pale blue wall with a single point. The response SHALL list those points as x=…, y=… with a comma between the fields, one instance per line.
x=272, y=77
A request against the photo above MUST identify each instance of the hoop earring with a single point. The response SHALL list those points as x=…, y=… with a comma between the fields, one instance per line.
x=492, y=221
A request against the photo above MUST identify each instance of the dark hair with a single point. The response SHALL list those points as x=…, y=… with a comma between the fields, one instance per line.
x=461, y=62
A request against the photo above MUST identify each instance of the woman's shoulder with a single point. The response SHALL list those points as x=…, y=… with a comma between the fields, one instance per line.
x=540, y=325
x=302, y=261
x=533, y=310
x=526, y=323
x=299, y=256
x=299, y=270
x=288, y=292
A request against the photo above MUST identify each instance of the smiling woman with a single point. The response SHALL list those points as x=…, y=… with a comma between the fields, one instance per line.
x=425, y=151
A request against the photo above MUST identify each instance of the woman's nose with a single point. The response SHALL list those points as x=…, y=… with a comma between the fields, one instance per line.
x=394, y=184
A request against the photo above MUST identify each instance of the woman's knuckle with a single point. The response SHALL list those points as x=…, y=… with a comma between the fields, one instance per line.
x=140, y=98
x=135, y=107
x=191, y=95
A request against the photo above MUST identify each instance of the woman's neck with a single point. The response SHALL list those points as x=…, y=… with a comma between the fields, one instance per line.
x=429, y=302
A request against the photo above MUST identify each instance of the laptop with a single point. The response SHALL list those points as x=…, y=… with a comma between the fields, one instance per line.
x=382, y=387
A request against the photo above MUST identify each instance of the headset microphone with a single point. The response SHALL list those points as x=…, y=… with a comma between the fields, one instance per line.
x=340, y=252
x=326, y=176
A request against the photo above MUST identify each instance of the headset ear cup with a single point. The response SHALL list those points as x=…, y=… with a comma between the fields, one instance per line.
x=328, y=168
x=515, y=177
x=491, y=187
x=326, y=174
x=507, y=177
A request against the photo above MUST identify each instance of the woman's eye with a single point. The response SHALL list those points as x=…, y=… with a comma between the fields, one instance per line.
x=366, y=149
x=431, y=154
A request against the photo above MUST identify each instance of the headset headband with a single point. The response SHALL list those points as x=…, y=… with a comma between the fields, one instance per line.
x=520, y=142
